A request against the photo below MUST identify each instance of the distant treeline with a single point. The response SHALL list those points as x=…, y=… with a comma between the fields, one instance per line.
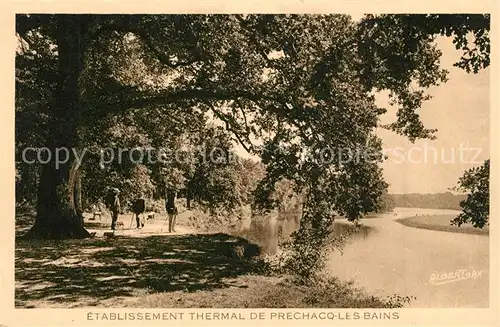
x=446, y=200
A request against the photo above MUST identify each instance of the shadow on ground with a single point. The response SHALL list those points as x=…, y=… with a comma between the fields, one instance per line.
x=71, y=270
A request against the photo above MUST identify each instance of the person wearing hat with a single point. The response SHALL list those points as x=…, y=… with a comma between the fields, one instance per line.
x=115, y=207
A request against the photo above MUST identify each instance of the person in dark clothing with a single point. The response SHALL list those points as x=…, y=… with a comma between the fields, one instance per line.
x=171, y=208
x=138, y=209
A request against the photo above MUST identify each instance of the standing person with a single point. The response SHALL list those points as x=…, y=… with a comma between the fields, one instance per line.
x=139, y=208
x=139, y=220
x=170, y=195
x=114, y=206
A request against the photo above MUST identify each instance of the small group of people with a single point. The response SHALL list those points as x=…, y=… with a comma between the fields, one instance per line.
x=139, y=208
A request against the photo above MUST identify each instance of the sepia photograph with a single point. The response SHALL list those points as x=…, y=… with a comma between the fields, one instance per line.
x=252, y=161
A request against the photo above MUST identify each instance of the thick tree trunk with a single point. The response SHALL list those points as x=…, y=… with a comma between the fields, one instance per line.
x=57, y=216
x=59, y=212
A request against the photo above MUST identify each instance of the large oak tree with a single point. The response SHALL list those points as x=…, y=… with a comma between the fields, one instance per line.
x=303, y=84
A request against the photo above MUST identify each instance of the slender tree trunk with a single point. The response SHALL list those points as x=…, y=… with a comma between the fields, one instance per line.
x=188, y=199
x=59, y=212
x=78, y=196
x=75, y=187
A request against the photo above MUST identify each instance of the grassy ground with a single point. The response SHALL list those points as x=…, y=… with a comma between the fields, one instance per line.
x=85, y=272
x=441, y=223
x=168, y=270
x=258, y=291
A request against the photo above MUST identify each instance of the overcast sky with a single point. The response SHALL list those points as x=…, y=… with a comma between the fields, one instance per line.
x=459, y=110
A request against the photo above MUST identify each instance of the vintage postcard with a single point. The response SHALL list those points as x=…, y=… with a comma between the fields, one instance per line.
x=216, y=162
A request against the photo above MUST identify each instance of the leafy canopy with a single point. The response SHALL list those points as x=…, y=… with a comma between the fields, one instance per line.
x=302, y=84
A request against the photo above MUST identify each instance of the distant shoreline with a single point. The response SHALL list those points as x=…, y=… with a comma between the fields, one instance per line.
x=441, y=223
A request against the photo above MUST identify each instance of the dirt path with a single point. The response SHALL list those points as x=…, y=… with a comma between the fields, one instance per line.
x=157, y=226
x=403, y=260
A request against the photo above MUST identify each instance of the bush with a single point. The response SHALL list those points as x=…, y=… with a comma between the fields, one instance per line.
x=476, y=206
x=157, y=206
x=330, y=292
x=215, y=220
x=305, y=261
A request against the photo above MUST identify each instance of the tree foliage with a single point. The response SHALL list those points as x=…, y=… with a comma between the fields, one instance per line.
x=476, y=206
x=301, y=84
x=446, y=200
x=401, y=57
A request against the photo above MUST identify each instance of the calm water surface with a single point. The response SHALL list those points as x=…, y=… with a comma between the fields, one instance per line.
x=396, y=259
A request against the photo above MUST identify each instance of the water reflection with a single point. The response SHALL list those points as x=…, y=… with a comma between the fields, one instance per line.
x=270, y=231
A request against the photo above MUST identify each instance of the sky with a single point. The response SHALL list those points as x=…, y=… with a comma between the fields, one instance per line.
x=460, y=110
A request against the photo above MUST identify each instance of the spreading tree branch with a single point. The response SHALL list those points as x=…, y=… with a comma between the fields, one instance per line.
x=222, y=117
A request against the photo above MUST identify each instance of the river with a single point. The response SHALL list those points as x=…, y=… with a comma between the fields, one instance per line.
x=441, y=269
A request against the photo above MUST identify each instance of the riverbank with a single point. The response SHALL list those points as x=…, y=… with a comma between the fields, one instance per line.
x=441, y=223
x=151, y=268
